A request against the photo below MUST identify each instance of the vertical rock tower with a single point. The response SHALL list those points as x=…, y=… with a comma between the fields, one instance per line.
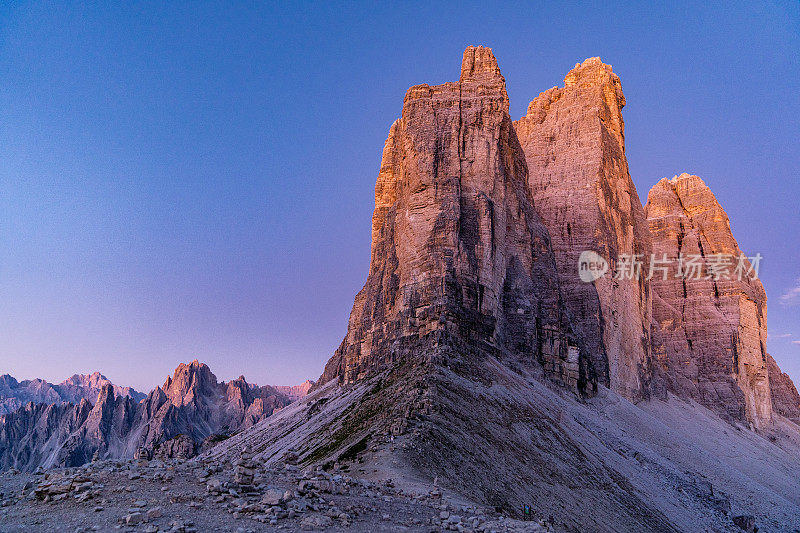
x=459, y=255
x=574, y=143
x=713, y=331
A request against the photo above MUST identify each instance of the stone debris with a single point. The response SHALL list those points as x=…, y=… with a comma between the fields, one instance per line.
x=315, y=522
x=745, y=523
x=58, y=487
x=134, y=518
x=243, y=475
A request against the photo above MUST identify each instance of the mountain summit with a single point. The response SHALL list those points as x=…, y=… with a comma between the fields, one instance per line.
x=713, y=332
x=478, y=366
x=14, y=394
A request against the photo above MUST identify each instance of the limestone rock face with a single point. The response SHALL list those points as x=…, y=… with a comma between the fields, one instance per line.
x=32, y=435
x=458, y=252
x=713, y=331
x=574, y=143
x=194, y=404
x=785, y=399
x=434, y=379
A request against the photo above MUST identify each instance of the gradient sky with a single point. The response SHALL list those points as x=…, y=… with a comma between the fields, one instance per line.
x=196, y=181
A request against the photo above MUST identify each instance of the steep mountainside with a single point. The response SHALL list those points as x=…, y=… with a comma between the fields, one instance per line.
x=459, y=325
x=475, y=360
x=14, y=394
x=173, y=420
x=574, y=143
x=713, y=325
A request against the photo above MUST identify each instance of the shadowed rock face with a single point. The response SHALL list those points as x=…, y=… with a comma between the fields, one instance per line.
x=713, y=332
x=574, y=143
x=194, y=404
x=175, y=420
x=459, y=255
x=785, y=399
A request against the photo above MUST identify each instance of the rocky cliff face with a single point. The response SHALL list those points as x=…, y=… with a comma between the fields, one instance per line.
x=713, y=331
x=14, y=394
x=574, y=143
x=190, y=411
x=459, y=255
x=785, y=399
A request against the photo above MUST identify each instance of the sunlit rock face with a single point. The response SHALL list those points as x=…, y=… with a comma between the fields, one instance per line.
x=459, y=254
x=574, y=143
x=713, y=331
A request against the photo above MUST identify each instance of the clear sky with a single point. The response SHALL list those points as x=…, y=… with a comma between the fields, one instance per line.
x=195, y=180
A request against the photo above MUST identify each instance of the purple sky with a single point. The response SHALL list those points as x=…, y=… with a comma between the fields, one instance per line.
x=197, y=182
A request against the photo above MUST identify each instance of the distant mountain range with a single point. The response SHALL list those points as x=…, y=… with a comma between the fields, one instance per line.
x=88, y=417
x=15, y=394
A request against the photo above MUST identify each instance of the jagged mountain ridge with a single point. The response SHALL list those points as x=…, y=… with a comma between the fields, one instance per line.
x=188, y=412
x=462, y=361
x=460, y=315
x=15, y=394
x=295, y=392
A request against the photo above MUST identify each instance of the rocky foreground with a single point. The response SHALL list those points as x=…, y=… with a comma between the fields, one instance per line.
x=197, y=496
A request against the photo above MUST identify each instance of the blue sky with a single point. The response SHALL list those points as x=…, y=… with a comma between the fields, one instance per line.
x=195, y=180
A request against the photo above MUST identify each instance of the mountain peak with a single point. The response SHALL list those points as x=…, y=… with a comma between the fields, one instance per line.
x=477, y=61
x=188, y=382
x=712, y=326
x=295, y=392
x=574, y=143
x=95, y=380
